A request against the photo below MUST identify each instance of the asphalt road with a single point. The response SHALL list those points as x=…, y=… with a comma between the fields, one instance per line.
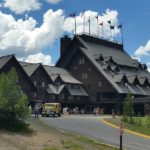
x=92, y=126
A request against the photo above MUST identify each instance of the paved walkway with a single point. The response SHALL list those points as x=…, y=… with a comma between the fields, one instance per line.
x=92, y=126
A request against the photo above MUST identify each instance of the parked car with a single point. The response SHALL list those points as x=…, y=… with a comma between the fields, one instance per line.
x=51, y=109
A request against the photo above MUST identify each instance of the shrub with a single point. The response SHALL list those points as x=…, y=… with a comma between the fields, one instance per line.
x=13, y=102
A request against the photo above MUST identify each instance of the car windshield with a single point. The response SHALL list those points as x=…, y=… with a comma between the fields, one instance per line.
x=50, y=105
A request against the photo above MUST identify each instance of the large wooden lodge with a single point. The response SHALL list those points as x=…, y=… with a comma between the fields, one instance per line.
x=91, y=72
x=107, y=72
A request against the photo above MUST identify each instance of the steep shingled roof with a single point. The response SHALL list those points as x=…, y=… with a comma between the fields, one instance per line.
x=4, y=60
x=53, y=89
x=54, y=72
x=29, y=67
x=120, y=57
x=102, y=53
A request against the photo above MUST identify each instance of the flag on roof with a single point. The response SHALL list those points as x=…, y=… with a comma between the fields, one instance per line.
x=109, y=21
x=112, y=27
x=101, y=24
x=96, y=17
x=83, y=13
x=72, y=15
x=120, y=26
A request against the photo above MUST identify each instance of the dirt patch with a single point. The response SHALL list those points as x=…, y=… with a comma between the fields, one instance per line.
x=46, y=138
x=41, y=138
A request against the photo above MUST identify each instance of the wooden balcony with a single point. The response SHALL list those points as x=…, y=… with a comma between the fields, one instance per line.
x=142, y=100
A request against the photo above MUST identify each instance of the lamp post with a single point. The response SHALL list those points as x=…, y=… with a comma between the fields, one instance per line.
x=121, y=133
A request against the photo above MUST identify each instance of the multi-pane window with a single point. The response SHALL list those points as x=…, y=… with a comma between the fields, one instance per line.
x=70, y=97
x=62, y=96
x=35, y=83
x=89, y=69
x=53, y=97
x=100, y=83
x=81, y=61
x=84, y=75
x=43, y=84
x=39, y=83
x=35, y=94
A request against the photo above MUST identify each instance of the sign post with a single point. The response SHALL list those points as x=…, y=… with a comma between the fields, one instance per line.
x=121, y=133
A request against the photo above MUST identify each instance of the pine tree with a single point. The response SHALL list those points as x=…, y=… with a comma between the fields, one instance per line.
x=128, y=108
x=13, y=102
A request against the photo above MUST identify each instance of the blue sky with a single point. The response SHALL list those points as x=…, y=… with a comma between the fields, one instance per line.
x=23, y=30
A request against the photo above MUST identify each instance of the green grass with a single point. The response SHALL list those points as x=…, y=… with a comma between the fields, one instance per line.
x=71, y=145
x=52, y=148
x=140, y=124
x=96, y=144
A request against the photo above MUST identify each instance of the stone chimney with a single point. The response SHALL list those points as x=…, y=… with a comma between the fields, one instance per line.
x=64, y=43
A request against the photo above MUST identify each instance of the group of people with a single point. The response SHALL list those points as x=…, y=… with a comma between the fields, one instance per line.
x=36, y=110
x=98, y=111
x=75, y=111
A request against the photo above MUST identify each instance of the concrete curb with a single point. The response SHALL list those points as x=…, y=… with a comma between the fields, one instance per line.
x=126, y=130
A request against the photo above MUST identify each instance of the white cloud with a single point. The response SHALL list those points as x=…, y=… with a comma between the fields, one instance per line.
x=26, y=37
x=54, y=1
x=143, y=50
x=21, y=6
x=137, y=58
x=23, y=37
x=38, y=58
x=69, y=24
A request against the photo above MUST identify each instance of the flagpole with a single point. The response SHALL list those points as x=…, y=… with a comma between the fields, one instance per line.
x=97, y=25
x=122, y=35
x=102, y=31
x=84, y=23
x=75, y=26
x=114, y=34
x=83, y=14
x=89, y=26
x=97, y=28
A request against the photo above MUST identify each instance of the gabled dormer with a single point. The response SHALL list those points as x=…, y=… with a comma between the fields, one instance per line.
x=121, y=78
x=133, y=79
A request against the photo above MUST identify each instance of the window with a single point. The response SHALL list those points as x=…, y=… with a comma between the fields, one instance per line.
x=76, y=86
x=43, y=84
x=84, y=76
x=62, y=97
x=58, y=83
x=53, y=97
x=81, y=61
x=100, y=84
x=70, y=97
x=39, y=83
x=69, y=86
x=89, y=69
x=35, y=94
x=35, y=83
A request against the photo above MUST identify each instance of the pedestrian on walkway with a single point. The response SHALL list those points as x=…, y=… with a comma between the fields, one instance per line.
x=36, y=111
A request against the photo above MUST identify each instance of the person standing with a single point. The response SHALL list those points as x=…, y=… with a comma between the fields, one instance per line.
x=36, y=110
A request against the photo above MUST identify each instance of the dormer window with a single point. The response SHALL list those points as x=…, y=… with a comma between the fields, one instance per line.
x=84, y=75
x=43, y=84
x=35, y=83
x=81, y=61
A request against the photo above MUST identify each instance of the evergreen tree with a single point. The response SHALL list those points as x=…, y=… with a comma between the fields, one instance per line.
x=13, y=102
x=128, y=108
